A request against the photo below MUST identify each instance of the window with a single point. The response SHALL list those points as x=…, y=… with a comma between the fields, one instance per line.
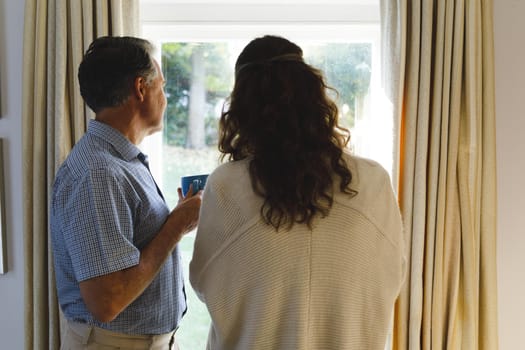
x=197, y=44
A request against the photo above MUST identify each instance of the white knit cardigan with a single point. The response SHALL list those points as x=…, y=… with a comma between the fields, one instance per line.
x=329, y=287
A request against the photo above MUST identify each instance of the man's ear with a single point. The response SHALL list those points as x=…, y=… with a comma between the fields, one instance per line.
x=139, y=88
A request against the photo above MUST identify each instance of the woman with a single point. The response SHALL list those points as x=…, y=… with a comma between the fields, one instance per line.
x=299, y=244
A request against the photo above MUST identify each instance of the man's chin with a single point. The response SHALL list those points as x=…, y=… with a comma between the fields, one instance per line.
x=155, y=129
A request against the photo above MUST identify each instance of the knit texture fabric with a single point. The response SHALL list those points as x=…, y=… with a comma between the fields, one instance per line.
x=329, y=287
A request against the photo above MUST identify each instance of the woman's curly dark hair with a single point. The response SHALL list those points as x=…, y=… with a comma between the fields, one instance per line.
x=280, y=116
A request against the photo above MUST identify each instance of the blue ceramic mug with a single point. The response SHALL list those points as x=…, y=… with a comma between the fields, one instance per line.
x=198, y=182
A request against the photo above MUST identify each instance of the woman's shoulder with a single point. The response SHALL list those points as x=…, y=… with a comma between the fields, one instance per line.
x=230, y=170
x=365, y=172
x=371, y=185
x=375, y=197
x=230, y=176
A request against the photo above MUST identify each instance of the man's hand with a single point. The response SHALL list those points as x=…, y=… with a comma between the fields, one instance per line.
x=185, y=216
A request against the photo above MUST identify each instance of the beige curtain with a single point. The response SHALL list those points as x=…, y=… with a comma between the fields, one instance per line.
x=439, y=64
x=56, y=34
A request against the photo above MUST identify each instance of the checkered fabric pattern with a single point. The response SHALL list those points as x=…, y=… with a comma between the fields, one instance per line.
x=105, y=208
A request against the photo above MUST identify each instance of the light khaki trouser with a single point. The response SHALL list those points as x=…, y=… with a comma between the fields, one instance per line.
x=80, y=336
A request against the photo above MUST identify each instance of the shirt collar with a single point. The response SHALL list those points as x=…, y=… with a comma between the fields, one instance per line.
x=120, y=143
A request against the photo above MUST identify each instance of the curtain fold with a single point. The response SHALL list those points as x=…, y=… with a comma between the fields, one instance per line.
x=438, y=57
x=54, y=117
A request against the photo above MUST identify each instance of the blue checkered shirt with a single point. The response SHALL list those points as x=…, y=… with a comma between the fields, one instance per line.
x=105, y=208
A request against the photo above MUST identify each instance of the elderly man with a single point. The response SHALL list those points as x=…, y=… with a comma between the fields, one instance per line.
x=118, y=272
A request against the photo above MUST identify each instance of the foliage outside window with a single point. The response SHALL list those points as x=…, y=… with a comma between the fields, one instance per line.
x=199, y=77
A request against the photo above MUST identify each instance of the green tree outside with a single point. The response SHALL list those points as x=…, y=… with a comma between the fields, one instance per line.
x=177, y=65
x=347, y=68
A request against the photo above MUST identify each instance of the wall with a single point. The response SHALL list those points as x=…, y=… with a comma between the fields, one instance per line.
x=510, y=91
x=12, y=283
x=509, y=29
